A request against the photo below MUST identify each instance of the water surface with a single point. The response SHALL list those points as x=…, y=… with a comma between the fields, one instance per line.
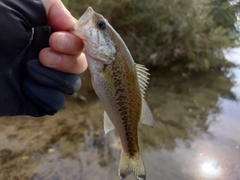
x=196, y=133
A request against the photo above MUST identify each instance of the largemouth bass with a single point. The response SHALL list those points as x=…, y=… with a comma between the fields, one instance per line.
x=119, y=83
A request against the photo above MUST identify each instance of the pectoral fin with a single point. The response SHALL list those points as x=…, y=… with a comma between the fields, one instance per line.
x=146, y=114
x=108, y=126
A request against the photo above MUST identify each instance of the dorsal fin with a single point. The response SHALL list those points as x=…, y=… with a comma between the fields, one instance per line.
x=142, y=75
x=146, y=114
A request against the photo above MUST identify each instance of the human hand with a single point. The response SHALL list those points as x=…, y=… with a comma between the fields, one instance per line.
x=65, y=51
x=27, y=87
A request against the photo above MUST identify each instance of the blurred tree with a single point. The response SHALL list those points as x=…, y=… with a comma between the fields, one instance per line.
x=224, y=13
x=188, y=35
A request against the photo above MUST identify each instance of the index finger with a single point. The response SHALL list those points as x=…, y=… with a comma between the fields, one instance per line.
x=59, y=18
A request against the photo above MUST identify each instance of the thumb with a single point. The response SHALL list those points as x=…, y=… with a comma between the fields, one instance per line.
x=59, y=18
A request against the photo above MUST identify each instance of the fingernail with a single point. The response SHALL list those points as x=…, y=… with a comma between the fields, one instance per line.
x=63, y=42
x=53, y=59
x=66, y=10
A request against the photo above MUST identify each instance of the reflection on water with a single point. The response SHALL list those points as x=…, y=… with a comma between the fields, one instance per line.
x=210, y=169
x=196, y=134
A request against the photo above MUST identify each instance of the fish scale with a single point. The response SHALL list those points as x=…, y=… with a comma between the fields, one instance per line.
x=129, y=107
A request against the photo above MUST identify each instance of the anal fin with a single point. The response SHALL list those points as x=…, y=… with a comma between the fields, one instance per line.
x=108, y=126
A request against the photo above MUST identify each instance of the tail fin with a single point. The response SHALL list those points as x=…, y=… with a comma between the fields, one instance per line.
x=131, y=164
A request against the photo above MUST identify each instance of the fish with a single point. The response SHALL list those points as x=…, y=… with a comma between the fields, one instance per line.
x=120, y=84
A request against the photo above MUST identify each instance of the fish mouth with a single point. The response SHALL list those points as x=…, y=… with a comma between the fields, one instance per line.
x=84, y=23
x=84, y=19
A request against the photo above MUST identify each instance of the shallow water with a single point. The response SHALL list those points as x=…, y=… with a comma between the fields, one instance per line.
x=196, y=134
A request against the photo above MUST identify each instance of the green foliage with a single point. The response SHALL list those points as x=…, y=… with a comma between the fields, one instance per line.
x=187, y=34
x=223, y=13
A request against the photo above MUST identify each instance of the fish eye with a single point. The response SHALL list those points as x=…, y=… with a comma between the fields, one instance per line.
x=101, y=24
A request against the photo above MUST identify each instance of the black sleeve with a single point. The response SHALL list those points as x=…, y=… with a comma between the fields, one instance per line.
x=23, y=33
x=18, y=17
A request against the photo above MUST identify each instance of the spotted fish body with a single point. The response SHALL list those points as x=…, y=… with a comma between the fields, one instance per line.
x=119, y=83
